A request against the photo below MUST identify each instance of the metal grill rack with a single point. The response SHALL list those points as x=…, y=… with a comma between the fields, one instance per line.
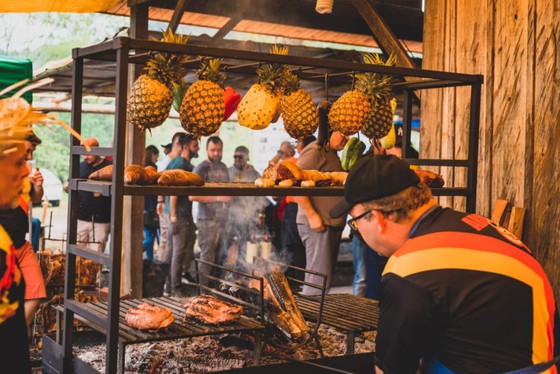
x=124, y=51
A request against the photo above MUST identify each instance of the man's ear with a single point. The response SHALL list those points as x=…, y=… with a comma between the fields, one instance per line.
x=380, y=221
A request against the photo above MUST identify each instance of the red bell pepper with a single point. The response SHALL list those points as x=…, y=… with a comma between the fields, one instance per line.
x=231, y=100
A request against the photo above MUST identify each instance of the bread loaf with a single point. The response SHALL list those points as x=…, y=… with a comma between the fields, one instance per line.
x=152, y=174
x=430, y=178
x=286, y=183
x=320, y=179
x=178, y=177
x=103, y=174
x=307, y=183
x=135, y=174
x=264, y=182
x=338, y=178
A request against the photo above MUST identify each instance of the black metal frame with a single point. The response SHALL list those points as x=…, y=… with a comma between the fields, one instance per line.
x=125, y=51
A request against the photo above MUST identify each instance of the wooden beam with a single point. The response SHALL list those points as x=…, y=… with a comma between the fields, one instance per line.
x=382, y=33
x=407, y=22
x=177, y=15
x=133, y=223
x=219, y=36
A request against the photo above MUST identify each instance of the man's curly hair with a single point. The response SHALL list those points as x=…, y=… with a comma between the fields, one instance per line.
x=398, y=207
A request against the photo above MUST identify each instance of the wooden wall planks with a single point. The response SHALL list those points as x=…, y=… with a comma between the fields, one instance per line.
x=514, y=44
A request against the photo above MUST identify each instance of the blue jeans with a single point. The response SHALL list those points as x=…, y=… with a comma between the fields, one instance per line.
x=150, y=236
x=358, y=253
x=35, y=233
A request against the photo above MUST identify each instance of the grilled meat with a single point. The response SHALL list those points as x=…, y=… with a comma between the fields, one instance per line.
x=149, y=317
x=211, y=310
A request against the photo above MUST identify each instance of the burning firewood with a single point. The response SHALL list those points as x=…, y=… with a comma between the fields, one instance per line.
x=282, y=309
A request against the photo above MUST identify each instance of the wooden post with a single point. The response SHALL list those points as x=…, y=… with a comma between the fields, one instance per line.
x=133, y=225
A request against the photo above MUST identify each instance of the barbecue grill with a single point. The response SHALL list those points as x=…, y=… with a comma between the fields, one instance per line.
x=181, y=328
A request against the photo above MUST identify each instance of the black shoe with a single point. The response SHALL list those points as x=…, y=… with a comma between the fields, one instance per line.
x=188, y=277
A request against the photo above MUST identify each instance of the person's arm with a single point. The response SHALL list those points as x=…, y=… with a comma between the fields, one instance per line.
x=315, y=220
x=173, y=209
x=406, y=323
x=210, y=199
x=160, y=205
x=37, y=186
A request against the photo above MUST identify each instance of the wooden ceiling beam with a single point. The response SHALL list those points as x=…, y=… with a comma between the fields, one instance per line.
x=407, y=22
x=180, y=8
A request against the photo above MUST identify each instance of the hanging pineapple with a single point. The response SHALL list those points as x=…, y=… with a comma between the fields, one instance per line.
x=202, y=109
x=261, y=104
x=376, y=87
x=349, y=112
x=298, y=110
x=151, y=94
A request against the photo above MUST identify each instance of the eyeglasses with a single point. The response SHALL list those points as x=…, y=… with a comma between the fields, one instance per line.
x=238, y=156
x=353, y=223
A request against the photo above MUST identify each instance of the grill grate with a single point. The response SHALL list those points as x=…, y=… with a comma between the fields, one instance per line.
x=350, y=314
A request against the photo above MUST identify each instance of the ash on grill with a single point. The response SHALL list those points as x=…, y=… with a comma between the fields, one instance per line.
x=205, y=354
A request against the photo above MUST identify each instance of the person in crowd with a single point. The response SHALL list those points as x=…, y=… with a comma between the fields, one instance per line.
x=459, y=293
x=286, y=150
x=243, y=210
x=319, y=232
x=151, y=219
x=16, y=223
x=181, y=230
x=162, y=164
x=37, y=192
x=94, y=210
x=397, y=148
x=292, y=246
x=212, y=210
x=13, y=331
x=175, y=150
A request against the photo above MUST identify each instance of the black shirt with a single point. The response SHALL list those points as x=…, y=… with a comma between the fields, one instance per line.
x=92, y=207
x=467, y=294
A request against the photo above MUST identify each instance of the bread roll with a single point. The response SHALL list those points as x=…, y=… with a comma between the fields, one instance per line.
x=307, y=183
x=264, y=182
x=286, y=183
x=178, y=177
x=338, y=178
x=430, y=178
x=103, y=174
x=152, y=174
x=135, y=174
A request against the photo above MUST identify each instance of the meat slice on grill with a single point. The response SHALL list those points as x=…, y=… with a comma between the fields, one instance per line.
x=212, y=311
x=149, y=317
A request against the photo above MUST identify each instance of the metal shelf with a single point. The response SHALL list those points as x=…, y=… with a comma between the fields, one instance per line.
x=126, y=51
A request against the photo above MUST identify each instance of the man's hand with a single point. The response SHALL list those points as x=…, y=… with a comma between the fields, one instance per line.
x=37, y=179
x=316, y=222
x=159, y=209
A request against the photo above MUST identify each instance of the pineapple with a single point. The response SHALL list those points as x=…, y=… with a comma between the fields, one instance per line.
x=376, y=88
x=350, y=112
x=202, y=109
x=151, y=95
x=298, y=110
x=261, y=104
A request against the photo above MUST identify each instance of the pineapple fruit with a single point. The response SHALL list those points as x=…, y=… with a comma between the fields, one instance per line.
x=202, y=109
x=350, y=112
x=298, y=110
x=376, y=88
x=261, y=104
x=151, y=94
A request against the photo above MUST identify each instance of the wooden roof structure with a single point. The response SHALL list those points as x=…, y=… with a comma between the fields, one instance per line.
x=351, y=23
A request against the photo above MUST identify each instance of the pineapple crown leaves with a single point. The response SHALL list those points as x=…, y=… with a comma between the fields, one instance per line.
x=290, y=83
x=375, y=85
x=273, y=75
x=210, y=70
x=168, y=67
